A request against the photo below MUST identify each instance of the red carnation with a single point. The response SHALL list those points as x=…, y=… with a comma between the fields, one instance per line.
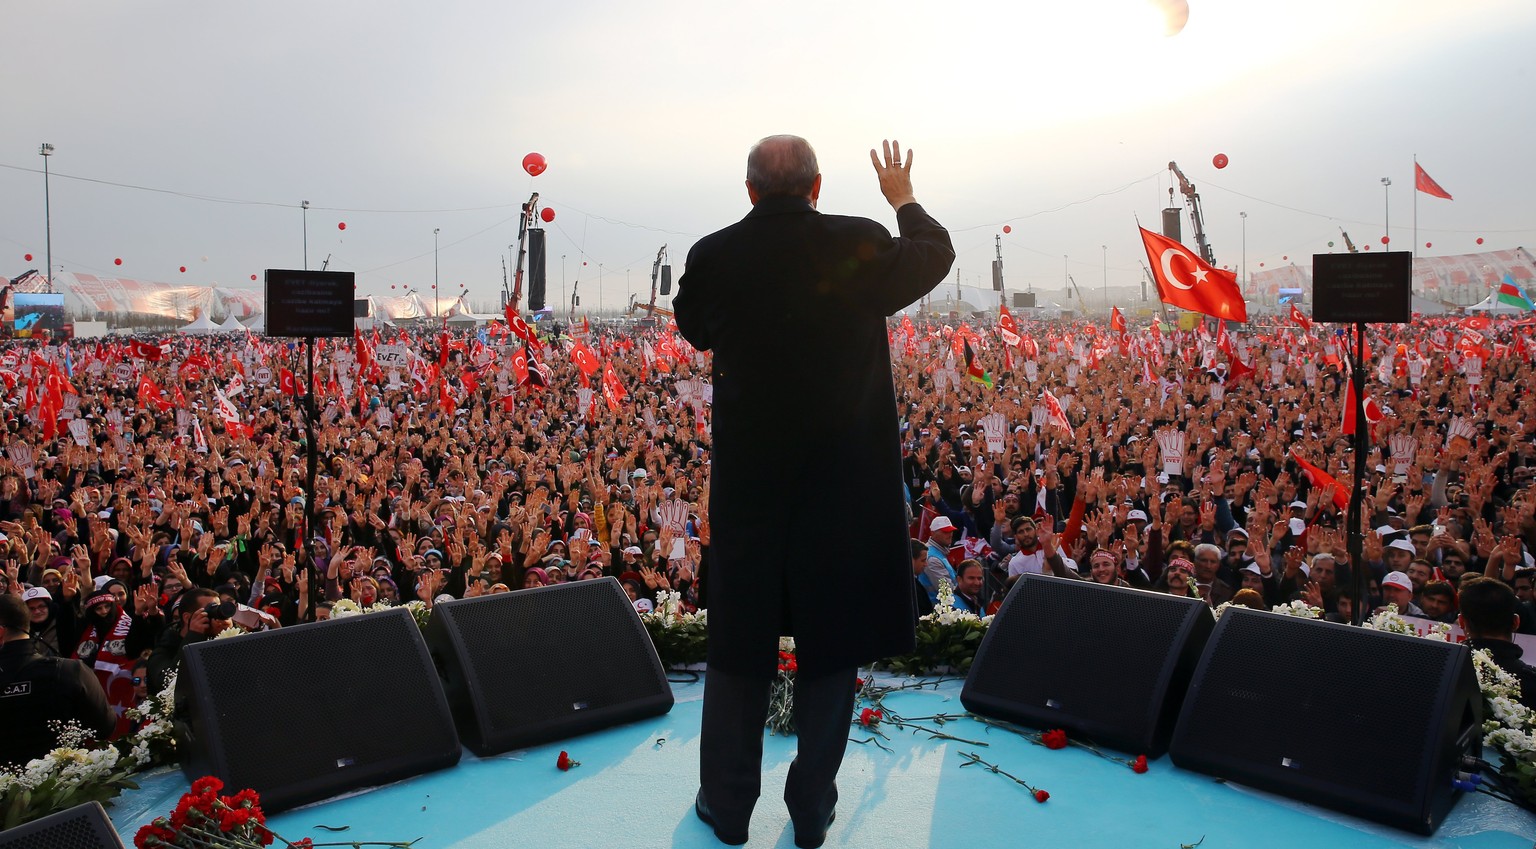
x=207, y=785
x=1041, y=795
x=1139, y=765
x=858, y=683
x=870, y=716
x=564, y=762
x=1056, y=738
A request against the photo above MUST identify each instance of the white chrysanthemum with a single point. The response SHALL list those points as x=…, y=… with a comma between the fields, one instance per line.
x=787, y=644
x=345, y=607
x=231, y=631
x=379, y=607
x=1299, y=609
x=1221, y=608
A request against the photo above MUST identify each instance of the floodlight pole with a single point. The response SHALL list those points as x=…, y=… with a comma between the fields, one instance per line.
x=46, y=150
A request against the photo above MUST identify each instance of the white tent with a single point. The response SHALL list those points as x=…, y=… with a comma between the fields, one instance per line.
x=230, y=324
x=1493, y=305
x=201, y=325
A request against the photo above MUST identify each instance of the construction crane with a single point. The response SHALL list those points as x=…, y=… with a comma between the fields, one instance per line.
x=1196, y=217
x=1347, y=243
x=658, y=268
x=1081, y=301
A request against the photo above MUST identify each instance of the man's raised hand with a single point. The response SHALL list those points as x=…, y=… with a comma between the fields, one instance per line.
x=894, y=173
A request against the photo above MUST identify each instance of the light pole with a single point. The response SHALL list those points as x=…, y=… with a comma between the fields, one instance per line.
x=1105, y=249
x=437, y=308
x=1386, y=209
x=47, y=150
x=304, y=205
x=599, y=288
x=562, y=279
x=1244, y=216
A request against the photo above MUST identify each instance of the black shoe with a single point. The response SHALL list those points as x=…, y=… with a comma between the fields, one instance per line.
x=727, y=837
x=814, y=841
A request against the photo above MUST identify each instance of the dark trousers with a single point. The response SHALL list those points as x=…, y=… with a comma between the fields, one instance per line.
x=731, y=745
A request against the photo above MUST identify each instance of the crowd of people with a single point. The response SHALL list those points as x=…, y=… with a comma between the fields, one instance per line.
x=154, y=493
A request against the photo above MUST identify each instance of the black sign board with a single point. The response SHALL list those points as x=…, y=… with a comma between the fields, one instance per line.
x=1023, y=300
x=1372, y=288
x=310, y=303
x=360, y=308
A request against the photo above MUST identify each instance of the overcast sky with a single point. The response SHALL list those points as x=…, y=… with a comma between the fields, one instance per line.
x=1058, y=119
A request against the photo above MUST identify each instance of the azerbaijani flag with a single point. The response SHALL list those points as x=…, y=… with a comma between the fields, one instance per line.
x=1511, y=294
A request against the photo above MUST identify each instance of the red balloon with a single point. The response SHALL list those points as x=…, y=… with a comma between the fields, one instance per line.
x=1429, y=244
x=29, y=257
x=1479, y=240
x=1367, y=247
x=1219, y=160
x=253, y=277
x=434, y=285
x=1007, y=229
x=1285, y=259
x=1261, y=265
x=118, y=261
x=583, y=262
x=534, y=164
x=183, y=269
x=1385, y=240
x=547, y=214
x=391, y=285
x=341, y=225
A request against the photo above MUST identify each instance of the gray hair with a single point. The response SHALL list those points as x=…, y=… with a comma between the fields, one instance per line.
x=1207, y=548
x=782, y=166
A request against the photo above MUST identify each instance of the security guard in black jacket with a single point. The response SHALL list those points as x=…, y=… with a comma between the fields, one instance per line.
x=37, y=690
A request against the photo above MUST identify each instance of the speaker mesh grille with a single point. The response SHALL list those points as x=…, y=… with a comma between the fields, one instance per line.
x=322, y=700
x=538, y=658
x=1119, y=644
x=1340, y=705
x=81, y=827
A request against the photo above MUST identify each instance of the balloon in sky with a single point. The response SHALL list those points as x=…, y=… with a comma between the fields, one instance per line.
x=1386, y=240
x=1330, y=244
x=1429, y=244
x=1007, y=228
x=118, y=261
x=1367, y=247
x=205, y=259
x=547, y=214
x=391, y=285
x=341, y=225
x=1175, y=15
x=29, y=257
x=1261, y=265
x=1285, y=259
x=183, y=269
x=534, y=164
x=1479, y=240
x=1219, y=160
x=253, y=277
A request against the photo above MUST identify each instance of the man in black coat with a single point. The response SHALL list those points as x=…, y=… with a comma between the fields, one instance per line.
x=793, y=303
x=36, y=690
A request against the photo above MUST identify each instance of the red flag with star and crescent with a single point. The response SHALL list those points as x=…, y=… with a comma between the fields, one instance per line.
x=1116, y=320
x=1058, y=416
x=1188, y=282
x=521, y=328
x=1301, y=319
x=1426, y=184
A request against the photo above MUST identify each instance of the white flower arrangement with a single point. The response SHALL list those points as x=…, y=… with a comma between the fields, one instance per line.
x=944, y=610
x=1299, y=609
x=231, y=631
x=344, y=607
x=77, y=770
x=679, y=636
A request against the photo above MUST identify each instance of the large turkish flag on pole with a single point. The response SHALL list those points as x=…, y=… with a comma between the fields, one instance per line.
x=1188, y=282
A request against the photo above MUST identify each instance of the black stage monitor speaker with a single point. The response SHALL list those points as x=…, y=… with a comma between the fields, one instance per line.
x=1369, y=723
x=666, y=279
x=531, y=666
x=81, y=827
x=304, y=713
x=1023, y=300
x=1108, y=663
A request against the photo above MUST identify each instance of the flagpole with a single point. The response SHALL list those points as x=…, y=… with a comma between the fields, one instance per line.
x=1356, y=538
x=1415, y=244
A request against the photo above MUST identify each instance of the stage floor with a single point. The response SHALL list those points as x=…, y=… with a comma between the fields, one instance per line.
x=635, y=788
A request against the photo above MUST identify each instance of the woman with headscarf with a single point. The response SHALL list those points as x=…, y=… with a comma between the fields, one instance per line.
x=103, y=647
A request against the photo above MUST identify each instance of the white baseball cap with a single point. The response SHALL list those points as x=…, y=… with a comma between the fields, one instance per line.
x=1399, y=580
x=942, y=523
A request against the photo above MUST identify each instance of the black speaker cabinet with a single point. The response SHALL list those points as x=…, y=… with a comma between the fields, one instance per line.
x=1023, y=300
x=1369, y=723
x=304, y=713
x=531, y=666
x=1108, y=663
x=81, y=827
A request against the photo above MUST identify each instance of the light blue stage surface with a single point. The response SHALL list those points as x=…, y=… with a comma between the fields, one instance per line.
x=634, y=790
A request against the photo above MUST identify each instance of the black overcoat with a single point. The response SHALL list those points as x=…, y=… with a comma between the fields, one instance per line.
x=807, y=517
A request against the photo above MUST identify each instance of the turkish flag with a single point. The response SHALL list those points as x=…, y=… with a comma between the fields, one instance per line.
x=1058, y=416
x=1116, y=320
x=520, y=327
x=1426, y=184
x=1301, y=319
x=1006, y=321
x=613, y=390
x=584, y=359
x=286, y=384
x=1186, y=281
x=144, y=351
x=1320, y=479
x=1373, y=412
x=1237, y=370
x=532, y=373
